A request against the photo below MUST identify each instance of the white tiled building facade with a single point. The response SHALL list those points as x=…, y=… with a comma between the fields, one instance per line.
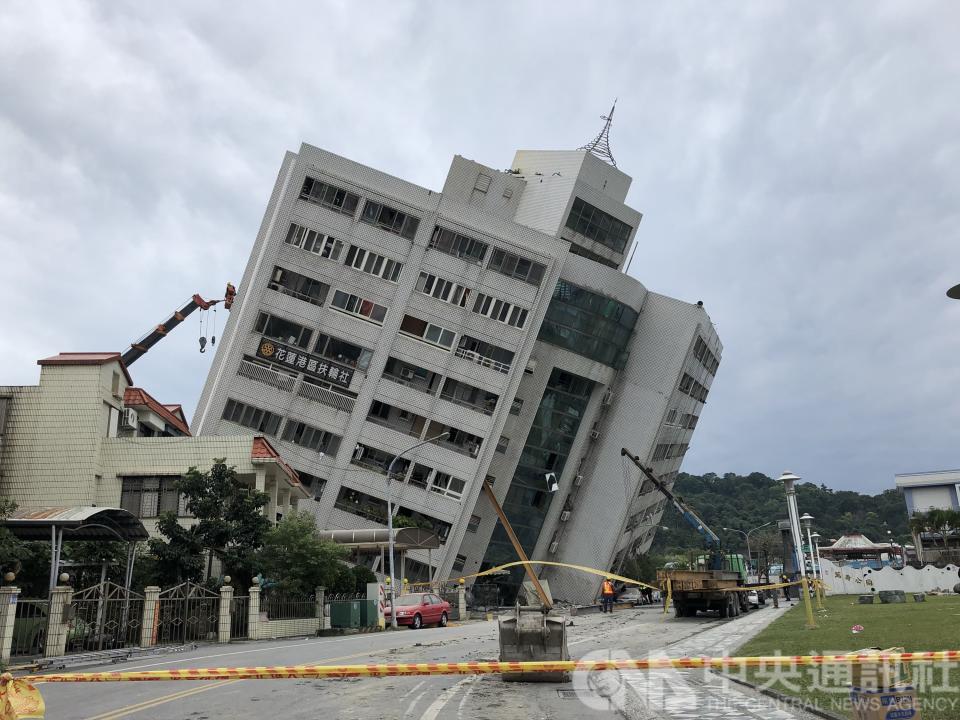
x=374, y=313
x=86, y=436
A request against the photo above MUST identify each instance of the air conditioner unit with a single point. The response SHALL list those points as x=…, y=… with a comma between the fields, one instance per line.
x=407, y=373
x=531, y=366
x=594, y=434
x=607, y=397
x=578, y=480
x=129, y=419
x=554, y=546
x=564, y=516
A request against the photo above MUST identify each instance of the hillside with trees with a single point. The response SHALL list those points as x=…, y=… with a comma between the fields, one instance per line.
x=747, y=501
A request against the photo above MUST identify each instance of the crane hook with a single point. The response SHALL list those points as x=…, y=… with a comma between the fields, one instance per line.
x=203, y=344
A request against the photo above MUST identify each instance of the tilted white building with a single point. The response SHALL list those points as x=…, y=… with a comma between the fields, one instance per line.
x=374, y=313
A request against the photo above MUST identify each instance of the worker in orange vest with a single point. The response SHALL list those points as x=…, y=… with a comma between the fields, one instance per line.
x=607, y=595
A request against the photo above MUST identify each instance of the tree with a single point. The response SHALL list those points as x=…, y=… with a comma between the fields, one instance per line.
x=296, y=558
x=230, y=525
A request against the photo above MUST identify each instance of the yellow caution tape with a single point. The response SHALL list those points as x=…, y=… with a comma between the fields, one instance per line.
x=298, y=672
x=592, y=571
x=19, y=699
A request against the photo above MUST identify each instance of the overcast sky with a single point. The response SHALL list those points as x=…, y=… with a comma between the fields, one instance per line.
x=798, y=170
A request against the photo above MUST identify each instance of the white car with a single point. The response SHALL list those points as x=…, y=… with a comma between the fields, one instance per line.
x=631, y=595
x=753, y=597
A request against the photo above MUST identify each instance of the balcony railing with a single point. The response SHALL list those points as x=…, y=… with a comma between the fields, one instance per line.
x=482, y=360
x=368, y=512
x=266, y=375
x=410, y=383
x=327, y=396
x=468, y=449
x=485, y=409
x=399, y=426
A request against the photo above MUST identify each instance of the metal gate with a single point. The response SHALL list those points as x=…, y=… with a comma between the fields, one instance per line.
x=106, y=616
x=187, y=613
x=30, y=628
x=239, y=618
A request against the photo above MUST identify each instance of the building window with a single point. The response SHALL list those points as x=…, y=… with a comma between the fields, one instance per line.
x=692, y=388
x=583, y=252
x=463, y=394
x=444, y=484
x=474, y=524
x=593, y=223
x=355, y=305
x=459, y=562
x=298, y=286
x=147, y=497
x=458, y=245
x=390, y=219
x=484, y=353
x=442, y=289
x=410, y=375
x=251, y=417
x=333, y=198
x=671, y=417
x=517, y=267
x=372, y=458
x=516, y=406
x=373, y=264
x=312, y=438
x=313, y=241
x=312, y=483
x=499, y=310
x=428, y=332
x=362, y=505
x=285, y=331
x=689, y=421
x=502, y=444
x=706, y=358
x=588, y=324
x=343, y=352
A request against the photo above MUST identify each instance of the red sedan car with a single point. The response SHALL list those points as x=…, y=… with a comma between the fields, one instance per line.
x=420, y=609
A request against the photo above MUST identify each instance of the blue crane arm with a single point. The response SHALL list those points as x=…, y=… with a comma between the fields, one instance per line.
x=685, y=511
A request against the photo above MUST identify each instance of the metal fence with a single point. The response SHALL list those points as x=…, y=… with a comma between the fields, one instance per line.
x=240, y=618
x=289, y=607
x=105, y=616
x=187, y=613
x=30, y=628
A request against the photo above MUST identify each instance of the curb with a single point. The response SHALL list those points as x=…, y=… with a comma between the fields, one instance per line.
x=788, y=700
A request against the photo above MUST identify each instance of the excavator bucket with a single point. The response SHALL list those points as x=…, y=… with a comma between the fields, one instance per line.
x=533, y=634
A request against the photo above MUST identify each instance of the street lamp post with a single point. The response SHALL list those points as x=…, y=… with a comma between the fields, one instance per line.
x=807, y=520
x=789, y=479
x=746, y=535
x=393, y=583
x=816, y=548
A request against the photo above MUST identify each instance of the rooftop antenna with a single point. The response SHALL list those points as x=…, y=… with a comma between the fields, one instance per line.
x=600, y=145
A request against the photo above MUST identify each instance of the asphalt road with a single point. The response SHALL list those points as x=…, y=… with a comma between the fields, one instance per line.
x=632, y=632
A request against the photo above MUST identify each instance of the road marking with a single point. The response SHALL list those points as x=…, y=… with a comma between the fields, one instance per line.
x=238, y=652
x=416, y=701
x=463, y=702
x=148, y=704
x=413, y=689
x=446, y=696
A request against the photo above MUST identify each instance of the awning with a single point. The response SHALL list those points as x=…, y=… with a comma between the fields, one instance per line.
x=78, y=523
x=408, y=538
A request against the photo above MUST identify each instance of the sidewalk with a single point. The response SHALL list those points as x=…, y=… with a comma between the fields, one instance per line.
x=702, y=694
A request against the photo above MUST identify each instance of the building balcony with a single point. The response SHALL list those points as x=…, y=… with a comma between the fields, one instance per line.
x=326, y=396
x=265, y=375
x=408, y=427
x=482, y=360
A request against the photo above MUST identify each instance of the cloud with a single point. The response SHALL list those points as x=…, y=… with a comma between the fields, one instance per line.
x=797, y=168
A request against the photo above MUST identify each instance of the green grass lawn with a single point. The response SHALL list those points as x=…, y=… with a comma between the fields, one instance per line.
x=933, y=625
